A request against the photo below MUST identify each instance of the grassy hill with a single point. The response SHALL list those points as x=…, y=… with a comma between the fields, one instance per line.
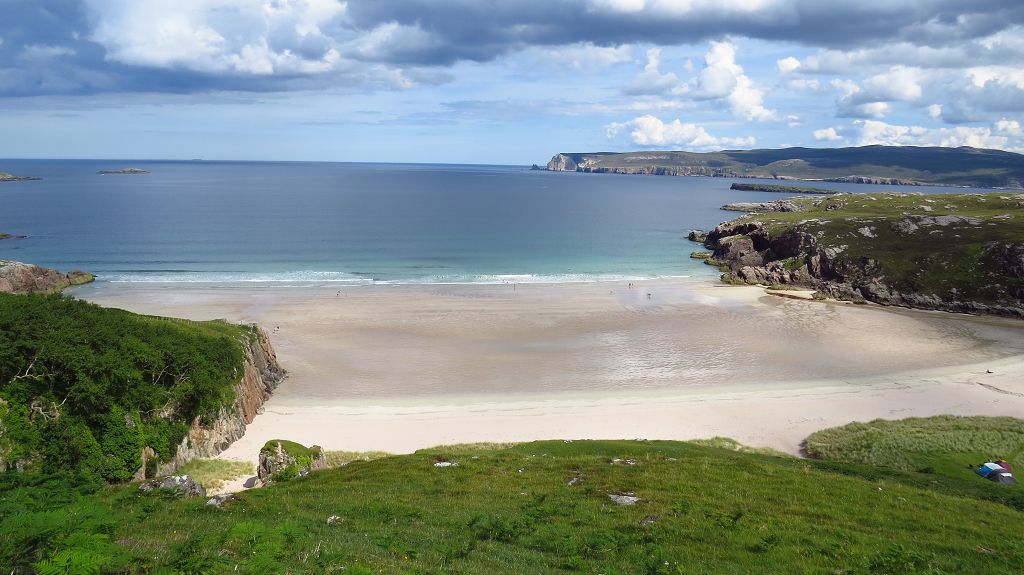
x=962, y=166
x=541, y=507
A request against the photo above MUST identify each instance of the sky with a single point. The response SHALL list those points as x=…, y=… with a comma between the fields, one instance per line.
x=500, y=81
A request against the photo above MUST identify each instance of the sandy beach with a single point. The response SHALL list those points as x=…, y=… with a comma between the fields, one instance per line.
x=402, y=367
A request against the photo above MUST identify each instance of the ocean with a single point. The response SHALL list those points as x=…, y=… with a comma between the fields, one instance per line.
x=296, y=223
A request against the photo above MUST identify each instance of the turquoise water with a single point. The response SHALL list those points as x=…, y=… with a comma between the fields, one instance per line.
x=294, y=223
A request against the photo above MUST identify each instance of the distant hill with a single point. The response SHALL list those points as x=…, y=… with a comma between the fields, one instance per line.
x=889, y=165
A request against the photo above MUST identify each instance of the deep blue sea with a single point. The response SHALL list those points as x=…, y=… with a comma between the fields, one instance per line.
x=294, y=223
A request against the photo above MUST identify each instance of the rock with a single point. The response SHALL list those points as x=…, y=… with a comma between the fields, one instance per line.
x=700, y=255
x=261, y=374
x=445, y=464
x=281, y=457
x=18, y=277
x=124, y=171
x=762, y=207
x=904, y=227
x=867, y=231
x=650, y=520
x=698, y=236
x=618, y=461
x=624, y=498
x=218, y=501
x=182, y=484
x=334, y=519
x=574, y=480
x=1009, y=257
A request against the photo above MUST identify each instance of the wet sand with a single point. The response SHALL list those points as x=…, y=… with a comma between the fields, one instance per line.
x=398, y=368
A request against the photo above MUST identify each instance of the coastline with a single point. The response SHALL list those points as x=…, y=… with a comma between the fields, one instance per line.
x=402, y=367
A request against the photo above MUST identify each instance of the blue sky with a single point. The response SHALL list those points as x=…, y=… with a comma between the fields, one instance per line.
x=509, y=82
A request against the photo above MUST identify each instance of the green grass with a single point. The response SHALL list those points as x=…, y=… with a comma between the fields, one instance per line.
x=296, y=450
x=511, y=510
x=945, y=444
x=212, y=473
x=339, y=458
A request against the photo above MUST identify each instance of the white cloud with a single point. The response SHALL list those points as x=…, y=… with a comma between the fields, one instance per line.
x=650, y=131
x=899, y=83
x=827, y=135
x=586, y=57
x=226, y=36
x=935, y=111
x=999, y=136
x=788, y=64
x=44, y=52
x=1008, y=127
x=722, y=77
x=651, y=80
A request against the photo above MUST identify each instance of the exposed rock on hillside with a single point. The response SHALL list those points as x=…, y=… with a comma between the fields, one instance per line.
x=965, y=253
x=261, y=374
x=285, y=460
x=18, y=277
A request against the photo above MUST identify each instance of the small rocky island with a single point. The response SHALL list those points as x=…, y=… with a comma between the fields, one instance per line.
x=5, y=177
x=122, y=171
x=950, y=252
x=778, y=189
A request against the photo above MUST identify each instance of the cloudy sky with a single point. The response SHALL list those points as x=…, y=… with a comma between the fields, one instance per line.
x=502, y=81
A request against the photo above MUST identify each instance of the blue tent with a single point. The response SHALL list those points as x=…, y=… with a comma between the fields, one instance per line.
x=997, y=472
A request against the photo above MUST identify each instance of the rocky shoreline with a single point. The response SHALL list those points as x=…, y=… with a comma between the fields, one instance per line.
x=5, y=177
x=19, y=277
x=851, y=257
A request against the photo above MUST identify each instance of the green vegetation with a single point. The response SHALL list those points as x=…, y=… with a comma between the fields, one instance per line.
x=540, y=507
x=339, y=458
x=941, y=244
x=944, y=444
x=700, y=255
x=84, y=389
x=212, y=473
x=293, y=449
x=778, y=189
x=881, y=164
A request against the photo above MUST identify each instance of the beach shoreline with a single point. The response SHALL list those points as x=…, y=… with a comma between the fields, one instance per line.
x=403, y=367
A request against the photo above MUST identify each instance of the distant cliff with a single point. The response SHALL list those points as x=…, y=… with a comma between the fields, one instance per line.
x=887, y=165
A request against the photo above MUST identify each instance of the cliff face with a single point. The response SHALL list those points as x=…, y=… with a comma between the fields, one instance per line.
x=261, y=374
x=562, y=163
x=18, y=277
x=959, y=253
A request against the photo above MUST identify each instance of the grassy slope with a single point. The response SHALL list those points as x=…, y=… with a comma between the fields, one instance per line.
x=934, y=259
x=953, y=166
x=945, y=445
x=510, y=510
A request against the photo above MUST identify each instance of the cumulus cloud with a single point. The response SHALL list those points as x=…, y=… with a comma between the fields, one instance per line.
x=827, y=135
x=787, y=65
x=1006, y=136
x=649, y=130
x=723, y=78
x=650, y=80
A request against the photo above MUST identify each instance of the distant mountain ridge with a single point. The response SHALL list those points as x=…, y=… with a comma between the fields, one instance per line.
x=888, y=165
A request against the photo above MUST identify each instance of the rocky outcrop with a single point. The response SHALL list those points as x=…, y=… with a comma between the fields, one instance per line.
x=123, y=171
x=261, y=374
x=18, y=277
x=797, y=257
x=876, y=180
x=5, y=177
x=287, y=460
x=761, y=207
x=180, y=484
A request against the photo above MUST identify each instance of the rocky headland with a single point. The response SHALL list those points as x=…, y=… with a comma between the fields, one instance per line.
x=886, y=165
x=5, y=177
x=18, y=277
x=950, y=252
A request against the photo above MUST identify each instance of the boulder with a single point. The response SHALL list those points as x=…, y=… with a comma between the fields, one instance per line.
x=181, y=484
x=285, y=460
x=18, y=277
x=218, y=501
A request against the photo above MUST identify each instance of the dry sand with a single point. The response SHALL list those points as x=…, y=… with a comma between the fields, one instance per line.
x=398, y=368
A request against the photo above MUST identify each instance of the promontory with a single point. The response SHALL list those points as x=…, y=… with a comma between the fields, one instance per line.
x=887, y=165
